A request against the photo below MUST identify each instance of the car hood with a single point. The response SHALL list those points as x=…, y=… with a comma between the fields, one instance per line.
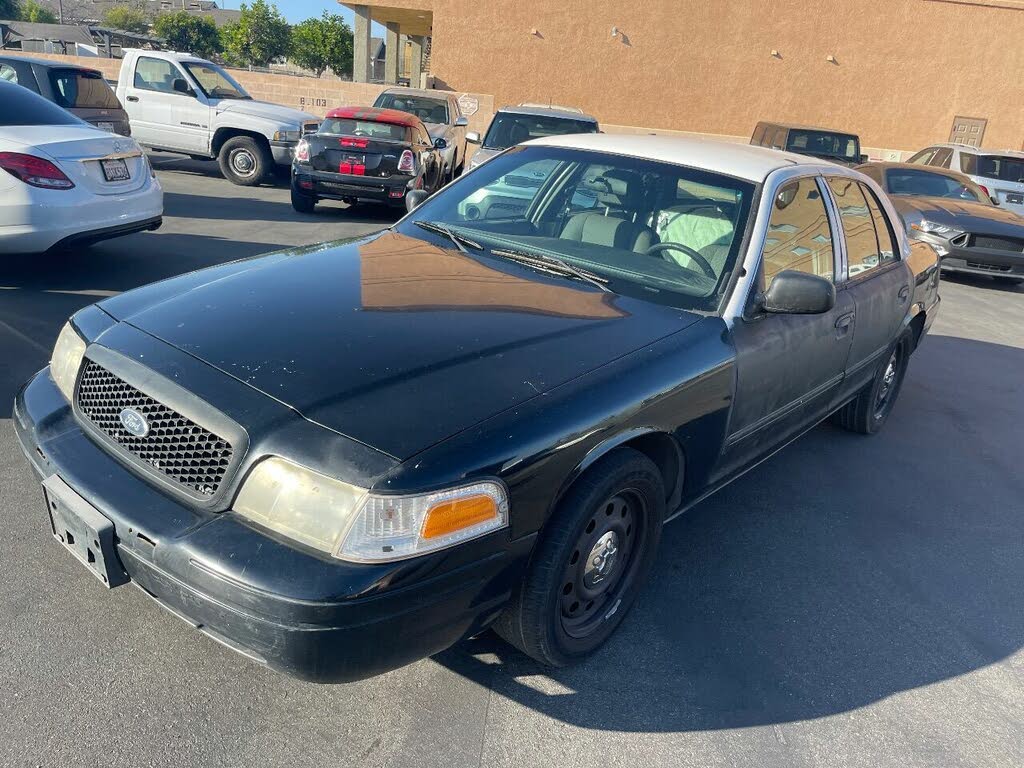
x=436, y=130
x=964, y=215
x=393, y=341
x=482, y=155
x=265, y=111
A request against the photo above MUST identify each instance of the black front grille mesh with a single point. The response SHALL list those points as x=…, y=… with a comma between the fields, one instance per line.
x=998, y=243
x=176, y=447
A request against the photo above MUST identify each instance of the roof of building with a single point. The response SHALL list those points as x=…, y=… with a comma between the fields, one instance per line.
x=742, y=161
x=373, y=114
x=63, y=33
x=552, y=111
x=220, y=16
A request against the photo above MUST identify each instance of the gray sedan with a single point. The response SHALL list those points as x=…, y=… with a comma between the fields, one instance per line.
x=440, y=113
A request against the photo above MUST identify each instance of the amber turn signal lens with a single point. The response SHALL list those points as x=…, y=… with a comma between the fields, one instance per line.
x=454, y=515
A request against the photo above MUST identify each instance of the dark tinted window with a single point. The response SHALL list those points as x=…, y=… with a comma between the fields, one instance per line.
x=347, y=127
x=508, y=129
x=1000, y=167
x=426, y=109
x=922, y=157
x=824, y=144
x=913, y=183
x=23, y=107
x=80, y=88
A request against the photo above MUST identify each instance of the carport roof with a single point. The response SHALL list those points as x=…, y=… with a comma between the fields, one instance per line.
x=414, y=17
x=63, y=33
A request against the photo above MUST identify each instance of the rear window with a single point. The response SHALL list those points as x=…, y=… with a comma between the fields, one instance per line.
x=426, y=109
x=336, y=126
x=23, y=107
x=508, y=129
x=913, y=183
x=993, y=167
x=824, y=144
x=79, y=88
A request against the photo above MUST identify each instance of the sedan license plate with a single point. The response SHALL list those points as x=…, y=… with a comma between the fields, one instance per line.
x=108, y=127
x=83, y=531
x=115, y=170
x=1015, y=199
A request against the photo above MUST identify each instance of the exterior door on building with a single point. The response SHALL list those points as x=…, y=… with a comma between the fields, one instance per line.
x=968, y=130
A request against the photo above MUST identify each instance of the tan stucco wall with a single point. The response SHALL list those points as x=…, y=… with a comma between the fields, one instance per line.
x=904, y=68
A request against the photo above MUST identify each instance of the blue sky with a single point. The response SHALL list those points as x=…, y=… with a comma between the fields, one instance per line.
x=300, y=10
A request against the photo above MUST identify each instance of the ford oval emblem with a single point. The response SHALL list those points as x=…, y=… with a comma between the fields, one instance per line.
x=134, y=422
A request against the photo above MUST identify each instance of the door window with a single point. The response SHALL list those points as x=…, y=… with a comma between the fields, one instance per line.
x=156, y=75
x=779, y=139
x=887, y=249
x=858, y=226
x=799, y=237
x=941, y=158
x=922, y=157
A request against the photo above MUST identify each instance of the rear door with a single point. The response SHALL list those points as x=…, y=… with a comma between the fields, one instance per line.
x=874, y=277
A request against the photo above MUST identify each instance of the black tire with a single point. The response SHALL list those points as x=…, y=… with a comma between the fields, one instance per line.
x=303, y=203
x=245, y=161
x=563, y=610
x=868, y=412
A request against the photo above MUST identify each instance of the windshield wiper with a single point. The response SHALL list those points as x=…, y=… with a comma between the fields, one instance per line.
x=552, y=265
x=460, y=240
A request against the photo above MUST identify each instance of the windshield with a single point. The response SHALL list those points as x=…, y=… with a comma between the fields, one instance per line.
x=214, y=82
x=81, y=88
x=508, y=129
x=426, y=109
x=656, y=231
x=23, y=107
x=993, y=166
x=914, y=183
x=824, y=144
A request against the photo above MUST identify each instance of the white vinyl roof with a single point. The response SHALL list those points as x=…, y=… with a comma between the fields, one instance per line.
x=741, y=161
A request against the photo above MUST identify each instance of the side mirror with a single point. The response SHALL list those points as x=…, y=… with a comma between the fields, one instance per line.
x=440, y=144
x=414, y=199
x=178, y=85
x=798, y=293
x=473, y=137
x=864, y=159
x=461, y=121
x=994, y=199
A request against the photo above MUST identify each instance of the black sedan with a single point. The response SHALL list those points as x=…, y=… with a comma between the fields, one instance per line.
x=362, y=153
x=345, y=457
x=949, y=211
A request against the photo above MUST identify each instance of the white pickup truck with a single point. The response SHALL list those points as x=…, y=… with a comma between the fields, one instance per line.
x=178, y=102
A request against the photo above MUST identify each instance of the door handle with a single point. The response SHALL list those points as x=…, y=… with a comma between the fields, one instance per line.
x=904, y=293
x=843, y=323
x=131, y=98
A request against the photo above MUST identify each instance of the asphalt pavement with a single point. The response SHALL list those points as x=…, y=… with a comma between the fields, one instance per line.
x=851, y=602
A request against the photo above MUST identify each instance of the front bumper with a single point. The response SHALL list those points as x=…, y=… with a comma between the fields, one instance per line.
x=340, y=186
x=309, y=616
x=283, y=151
x=984, y=261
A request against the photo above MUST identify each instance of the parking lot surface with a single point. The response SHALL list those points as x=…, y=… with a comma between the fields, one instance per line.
x=850, y=602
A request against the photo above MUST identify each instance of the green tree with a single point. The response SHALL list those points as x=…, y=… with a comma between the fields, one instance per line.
x=321, y=43
x=10, y=10
x=33, y=11
x=185, y=32
x=129, y=18
x=259, y=36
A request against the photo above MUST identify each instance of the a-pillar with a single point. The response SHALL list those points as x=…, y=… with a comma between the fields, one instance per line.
x=392, y=53
x=361, y=71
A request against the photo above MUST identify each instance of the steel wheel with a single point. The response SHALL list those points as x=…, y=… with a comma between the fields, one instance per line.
x=243, y=162
x=883, y=399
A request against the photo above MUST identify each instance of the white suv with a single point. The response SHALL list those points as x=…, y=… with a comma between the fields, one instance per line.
x=1000, y=173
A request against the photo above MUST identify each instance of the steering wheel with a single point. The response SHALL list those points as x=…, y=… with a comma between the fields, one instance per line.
x=703, y=263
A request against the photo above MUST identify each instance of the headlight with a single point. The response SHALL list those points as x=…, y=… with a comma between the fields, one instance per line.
x=288, y=135
x=933, y=228
x=66, y=360
x=349, y=523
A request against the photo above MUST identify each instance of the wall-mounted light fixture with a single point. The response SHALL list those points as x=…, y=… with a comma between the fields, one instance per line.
x=535, y=32
x=776, y=54
x=831, y=59
x=615, y=31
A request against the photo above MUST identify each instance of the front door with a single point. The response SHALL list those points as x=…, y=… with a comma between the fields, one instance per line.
x=161, y=116
x=789, y=367
x=875, y=278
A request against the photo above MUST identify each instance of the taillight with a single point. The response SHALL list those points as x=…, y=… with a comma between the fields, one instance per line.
x=352, y=168
x=406, y=163
x=349, y=141
x=35, y=171
x=302, y=151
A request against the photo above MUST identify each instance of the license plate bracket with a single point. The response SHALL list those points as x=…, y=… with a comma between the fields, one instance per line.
x=115, y=170
x=83, y=531
x=105, y=126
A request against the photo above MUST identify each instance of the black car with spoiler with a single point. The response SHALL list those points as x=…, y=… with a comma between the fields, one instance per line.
x=362, y=153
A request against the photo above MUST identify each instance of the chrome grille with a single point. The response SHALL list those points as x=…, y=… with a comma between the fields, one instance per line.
x=174, y=446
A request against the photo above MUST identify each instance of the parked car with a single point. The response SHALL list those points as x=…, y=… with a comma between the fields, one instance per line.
x=949, y=211
x=441, y=113
x=178, y=102
x=342, y=458
x=1000, y=174
x=514, y=125
x=838, y=146
x=81, y=91
x=361, y=153
x=63, y=181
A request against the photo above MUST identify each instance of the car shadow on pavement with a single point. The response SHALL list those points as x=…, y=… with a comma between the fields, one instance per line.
x=981, y=281
x=844, y=570
x=191, y=206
